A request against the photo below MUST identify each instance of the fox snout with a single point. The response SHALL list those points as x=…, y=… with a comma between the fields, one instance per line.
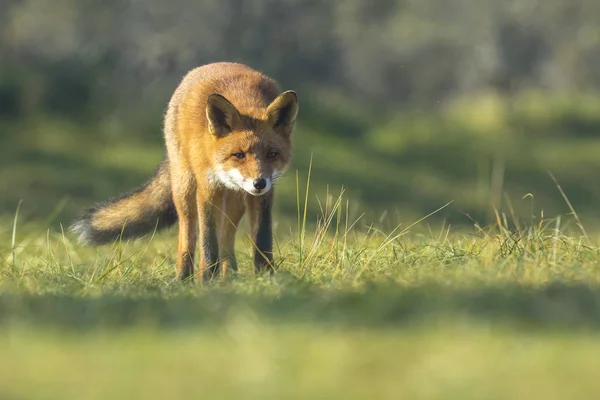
x=235, y=180
x=258, y=186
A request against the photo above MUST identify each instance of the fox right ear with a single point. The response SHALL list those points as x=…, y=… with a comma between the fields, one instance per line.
x=220, y=114
x=282, y=112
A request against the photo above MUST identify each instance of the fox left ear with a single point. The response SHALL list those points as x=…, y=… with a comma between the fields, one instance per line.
x=222, y=116
x=282, y=112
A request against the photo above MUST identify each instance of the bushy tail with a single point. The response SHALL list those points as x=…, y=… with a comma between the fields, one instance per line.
x=130, y=215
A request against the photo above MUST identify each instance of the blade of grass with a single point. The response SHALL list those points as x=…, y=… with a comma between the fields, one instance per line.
x=14, y=235
x=564, y=195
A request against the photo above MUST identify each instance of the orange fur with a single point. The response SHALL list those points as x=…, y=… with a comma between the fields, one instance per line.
x=228, y=135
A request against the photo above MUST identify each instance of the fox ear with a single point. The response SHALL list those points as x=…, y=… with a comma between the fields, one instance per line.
x=282, y=112
x=220, y=114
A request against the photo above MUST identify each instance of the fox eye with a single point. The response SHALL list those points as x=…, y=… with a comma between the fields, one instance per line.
x=271, y=154
x=239, y=155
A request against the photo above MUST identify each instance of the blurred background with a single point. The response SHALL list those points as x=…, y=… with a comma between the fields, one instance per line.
x=407, y=104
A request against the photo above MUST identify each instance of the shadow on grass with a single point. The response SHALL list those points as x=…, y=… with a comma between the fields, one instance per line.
x=43, y=180
x=556, y=306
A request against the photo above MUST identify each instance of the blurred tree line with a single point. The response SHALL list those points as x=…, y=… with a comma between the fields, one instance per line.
x=67, y=55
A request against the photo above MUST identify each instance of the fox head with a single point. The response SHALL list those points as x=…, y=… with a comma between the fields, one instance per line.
x=251, y=152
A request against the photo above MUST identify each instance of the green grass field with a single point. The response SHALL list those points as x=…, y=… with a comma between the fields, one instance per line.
x=374, y=298
x=506, y=312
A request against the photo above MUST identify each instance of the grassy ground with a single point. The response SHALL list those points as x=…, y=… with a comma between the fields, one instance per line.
x=506, y=312
x=440, y=309
x=455, y=361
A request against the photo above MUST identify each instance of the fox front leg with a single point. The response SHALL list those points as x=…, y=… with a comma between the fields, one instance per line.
x=208, y=245
x=260, y=213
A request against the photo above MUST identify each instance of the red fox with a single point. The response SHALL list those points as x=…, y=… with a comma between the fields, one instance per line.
x=228, y=134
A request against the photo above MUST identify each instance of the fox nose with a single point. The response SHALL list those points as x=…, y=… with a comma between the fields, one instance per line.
x=260, y=184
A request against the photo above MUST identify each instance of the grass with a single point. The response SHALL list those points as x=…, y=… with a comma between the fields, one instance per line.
x=488, y=288
x=252, y=361
x=506, y=311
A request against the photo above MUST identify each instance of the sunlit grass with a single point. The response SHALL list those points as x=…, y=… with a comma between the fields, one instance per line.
x=337, y=252
x=354, y=310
